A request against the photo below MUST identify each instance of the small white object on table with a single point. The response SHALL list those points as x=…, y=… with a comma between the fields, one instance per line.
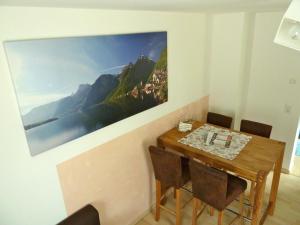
x=184, y=127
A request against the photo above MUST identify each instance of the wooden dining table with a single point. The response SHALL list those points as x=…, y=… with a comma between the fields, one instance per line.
x=256, y=160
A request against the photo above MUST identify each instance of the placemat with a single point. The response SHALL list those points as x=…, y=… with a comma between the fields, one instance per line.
x=197, y=139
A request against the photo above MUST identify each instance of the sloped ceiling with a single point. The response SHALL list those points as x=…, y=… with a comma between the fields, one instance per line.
x=160, y=5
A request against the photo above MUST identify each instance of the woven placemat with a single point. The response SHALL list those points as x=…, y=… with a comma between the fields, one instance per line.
x=198, y=137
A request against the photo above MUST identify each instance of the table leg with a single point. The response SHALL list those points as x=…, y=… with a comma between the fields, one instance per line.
x=251, y=198
x=258, y=198
x=158, y=198
x=275, y=184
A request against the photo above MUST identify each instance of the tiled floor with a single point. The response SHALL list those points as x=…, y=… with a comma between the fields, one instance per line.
x=287, y=211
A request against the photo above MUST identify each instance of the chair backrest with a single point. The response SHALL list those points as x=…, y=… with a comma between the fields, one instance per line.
x=87, y=215
x=256, y=128
x=219, y=119
x=166, y=165
x=208, y=184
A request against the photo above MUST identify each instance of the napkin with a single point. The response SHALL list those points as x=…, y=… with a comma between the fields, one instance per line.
x=183, y=127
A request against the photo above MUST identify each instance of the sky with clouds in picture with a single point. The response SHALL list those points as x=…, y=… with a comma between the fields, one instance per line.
x=46, y=70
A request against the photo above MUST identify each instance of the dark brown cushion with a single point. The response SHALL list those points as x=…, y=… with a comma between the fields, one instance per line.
x=256, y=128
x=185, y=176
x=214, y=187
x=169, y=168
x=235, y=187
x=219, y=119
x=87, y=215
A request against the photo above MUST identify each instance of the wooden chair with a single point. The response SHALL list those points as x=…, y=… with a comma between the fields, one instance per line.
x=219, y=119
x=215, y=188
x=252, y=127
x=170, y=170
x=260, y=129
x=87, y=215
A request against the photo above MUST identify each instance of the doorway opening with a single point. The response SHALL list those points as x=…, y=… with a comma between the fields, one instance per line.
x=296, y=161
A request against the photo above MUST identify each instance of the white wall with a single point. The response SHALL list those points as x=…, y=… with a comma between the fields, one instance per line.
x=225, y=59
x=30, y=192
x=250, y=75
x=272, y=67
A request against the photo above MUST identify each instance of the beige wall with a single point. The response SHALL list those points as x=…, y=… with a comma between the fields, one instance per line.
x=117, y=177
x=30, y=191
x=250, y=75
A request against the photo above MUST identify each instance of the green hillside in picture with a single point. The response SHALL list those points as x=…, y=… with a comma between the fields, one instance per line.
x=162, y=62
x=143, y=78
x=132, y=75
x=142, y=85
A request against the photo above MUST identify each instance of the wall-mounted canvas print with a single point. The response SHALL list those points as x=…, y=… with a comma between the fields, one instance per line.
x=69, y=87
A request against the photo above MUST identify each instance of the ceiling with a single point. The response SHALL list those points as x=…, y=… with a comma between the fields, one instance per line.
x=160, y=5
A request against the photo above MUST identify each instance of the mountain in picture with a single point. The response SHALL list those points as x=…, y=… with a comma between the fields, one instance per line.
x=138, y=87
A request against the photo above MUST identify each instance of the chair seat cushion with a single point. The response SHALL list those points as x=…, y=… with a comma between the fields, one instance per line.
x=170, y=169
x=235, y=187
x=215, y=187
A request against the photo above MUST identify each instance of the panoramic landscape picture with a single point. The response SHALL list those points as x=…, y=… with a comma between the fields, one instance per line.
x=69, y=87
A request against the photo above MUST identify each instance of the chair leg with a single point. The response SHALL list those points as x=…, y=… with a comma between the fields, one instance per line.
x=220, y=217
x=195, y=211
x=174, y=192
x=178, y=207
x=211, y=211
x=242, y=197
x=251, y=198
x=158, y=197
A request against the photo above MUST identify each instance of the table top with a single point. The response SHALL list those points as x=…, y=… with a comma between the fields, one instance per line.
x=260, y=154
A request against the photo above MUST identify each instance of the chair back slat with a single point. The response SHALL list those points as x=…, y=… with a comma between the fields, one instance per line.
x=166, y=165
x=87, y=215
x=208, y=184
x=219, y=119
x=252, y=127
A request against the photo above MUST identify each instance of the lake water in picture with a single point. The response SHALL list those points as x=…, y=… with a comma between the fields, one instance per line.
x=69, y=87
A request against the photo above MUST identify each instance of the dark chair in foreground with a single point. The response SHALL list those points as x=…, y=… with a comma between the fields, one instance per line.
x=256, y=128
x=219, y=119
x=215, y=188
x=170, y=170
x=87, y=215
